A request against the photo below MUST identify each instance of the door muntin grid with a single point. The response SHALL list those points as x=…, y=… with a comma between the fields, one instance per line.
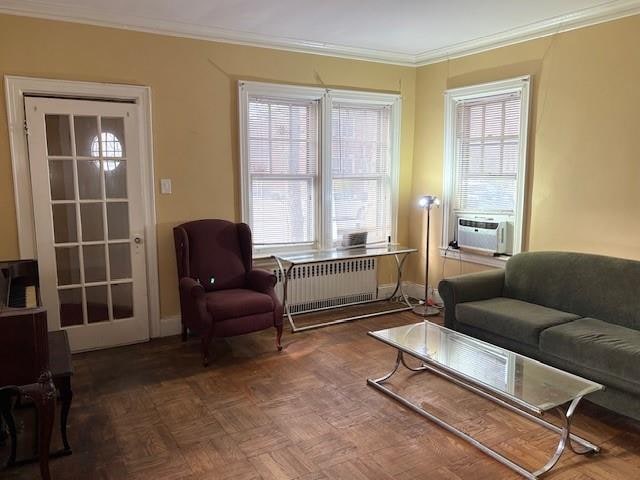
x=87, y=166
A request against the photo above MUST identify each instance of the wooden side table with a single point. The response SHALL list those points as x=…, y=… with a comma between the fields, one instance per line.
x=61, y=372
x=43, y=396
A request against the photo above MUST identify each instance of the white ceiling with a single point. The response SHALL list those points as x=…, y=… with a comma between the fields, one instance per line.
x=402, y=31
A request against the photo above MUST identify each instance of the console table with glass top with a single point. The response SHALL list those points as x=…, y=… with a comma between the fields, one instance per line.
x=523, y=385
x=287, y=262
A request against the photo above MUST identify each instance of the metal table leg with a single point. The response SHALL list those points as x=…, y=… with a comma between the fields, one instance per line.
x=286, y=273
x=566, y=437
x=399, y=267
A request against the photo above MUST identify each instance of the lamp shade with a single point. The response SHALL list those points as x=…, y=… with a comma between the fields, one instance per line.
x=428, y=201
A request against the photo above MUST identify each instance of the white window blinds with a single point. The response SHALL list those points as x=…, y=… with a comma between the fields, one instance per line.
x=361, y=170
x=282, y=169
x=486, y=155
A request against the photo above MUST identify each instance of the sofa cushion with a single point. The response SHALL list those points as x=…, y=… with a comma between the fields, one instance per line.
x=237, y=302
x=509, y=318
x=606, y=348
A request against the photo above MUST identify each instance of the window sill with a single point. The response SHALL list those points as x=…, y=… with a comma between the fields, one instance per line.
x=496, y=262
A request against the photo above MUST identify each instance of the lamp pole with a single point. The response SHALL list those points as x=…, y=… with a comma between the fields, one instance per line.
x=426, y=310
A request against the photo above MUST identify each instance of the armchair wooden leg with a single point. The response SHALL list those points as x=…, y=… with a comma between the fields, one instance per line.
x=206, y=344
x=279, y=337
x=184, y=333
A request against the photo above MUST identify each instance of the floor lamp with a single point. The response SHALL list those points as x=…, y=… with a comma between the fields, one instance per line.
x=427, y=202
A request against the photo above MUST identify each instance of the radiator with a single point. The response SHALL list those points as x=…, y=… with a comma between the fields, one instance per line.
x=330, y=284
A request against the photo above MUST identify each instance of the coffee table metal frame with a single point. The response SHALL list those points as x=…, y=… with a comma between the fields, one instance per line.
x=399, y=255
x=566, y=438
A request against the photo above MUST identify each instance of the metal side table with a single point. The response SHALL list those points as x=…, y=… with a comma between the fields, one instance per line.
x=286, y=263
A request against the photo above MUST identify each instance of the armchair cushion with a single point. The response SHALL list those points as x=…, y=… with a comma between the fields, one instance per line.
x=237, y=302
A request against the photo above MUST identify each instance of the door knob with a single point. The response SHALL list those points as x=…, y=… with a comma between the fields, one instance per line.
x=138, y=240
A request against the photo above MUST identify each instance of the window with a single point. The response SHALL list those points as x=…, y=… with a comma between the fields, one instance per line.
x=485, y=156
x=361, y=170
x=317, y=164
x=111, y=147
x=282, y=165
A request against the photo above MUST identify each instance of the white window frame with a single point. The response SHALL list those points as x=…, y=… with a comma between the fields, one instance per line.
x=519, y=84
x=322, y=235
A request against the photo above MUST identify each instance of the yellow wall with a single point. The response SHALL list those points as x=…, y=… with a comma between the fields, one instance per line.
x=195, y=134
x=584, y=153
x=584, y=157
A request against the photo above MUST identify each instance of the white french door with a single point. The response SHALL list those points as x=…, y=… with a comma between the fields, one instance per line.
x=89, y=222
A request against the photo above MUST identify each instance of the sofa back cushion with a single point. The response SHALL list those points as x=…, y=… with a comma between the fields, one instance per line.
x=605, y=288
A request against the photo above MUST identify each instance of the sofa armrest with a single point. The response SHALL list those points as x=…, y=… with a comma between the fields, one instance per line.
x=191, y=287
x=469, y=288
x=261, y=280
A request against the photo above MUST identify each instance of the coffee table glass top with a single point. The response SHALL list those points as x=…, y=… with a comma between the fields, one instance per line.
x=515, y=377
x=344, y=254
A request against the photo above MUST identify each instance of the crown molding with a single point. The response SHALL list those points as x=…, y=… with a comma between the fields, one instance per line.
x=611, y=10
x=88, y=16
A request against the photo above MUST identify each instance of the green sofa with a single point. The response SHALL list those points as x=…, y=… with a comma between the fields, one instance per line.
x=575, y=311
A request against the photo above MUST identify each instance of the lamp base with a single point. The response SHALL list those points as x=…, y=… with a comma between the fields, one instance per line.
x=425, y=310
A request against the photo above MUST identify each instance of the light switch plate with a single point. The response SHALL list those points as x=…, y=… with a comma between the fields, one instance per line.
x=165, y=185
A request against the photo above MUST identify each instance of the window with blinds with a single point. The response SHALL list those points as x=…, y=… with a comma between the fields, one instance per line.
x=486, y=153
x=485, y=161
x=317, y=164
x=282, y=168
x=361, y=180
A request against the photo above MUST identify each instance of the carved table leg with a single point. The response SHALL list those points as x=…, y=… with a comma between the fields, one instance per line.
x=66, y=396
x=5, y=410
x=3, y=433
x=43, y=396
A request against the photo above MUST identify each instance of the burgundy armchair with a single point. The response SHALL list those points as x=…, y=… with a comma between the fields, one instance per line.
x=221, y=295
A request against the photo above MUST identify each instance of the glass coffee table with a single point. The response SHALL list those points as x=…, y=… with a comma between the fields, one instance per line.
x=518, y=383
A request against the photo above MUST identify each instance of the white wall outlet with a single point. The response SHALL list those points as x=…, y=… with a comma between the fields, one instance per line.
x=165, y=185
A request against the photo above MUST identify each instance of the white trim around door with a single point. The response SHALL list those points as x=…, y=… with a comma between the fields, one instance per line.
x=16, y=88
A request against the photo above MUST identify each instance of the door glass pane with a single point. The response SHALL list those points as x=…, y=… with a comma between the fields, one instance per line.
x=64, y=223
x=58, y=135
x=118, y=220
x=115, y=178
x=95, y=267
x=70, y=307
x=67, y=265
x=97, y=305
x=86, y=130
x=91, y=220
x=113, y=137
x=61, y=179
x=89, y=183
x=120, y=260
x=122, y=300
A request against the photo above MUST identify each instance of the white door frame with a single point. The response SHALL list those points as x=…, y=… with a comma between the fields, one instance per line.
x=15, y=90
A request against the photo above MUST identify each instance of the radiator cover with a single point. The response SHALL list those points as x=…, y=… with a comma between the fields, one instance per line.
x=329, y=284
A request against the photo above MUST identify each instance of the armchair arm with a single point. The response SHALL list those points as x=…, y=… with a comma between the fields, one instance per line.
x=261, y=280
x=469, y=288
x=191, y=287
x=193, y=306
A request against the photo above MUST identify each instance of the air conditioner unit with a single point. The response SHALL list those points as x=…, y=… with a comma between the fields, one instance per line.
x=487, y=235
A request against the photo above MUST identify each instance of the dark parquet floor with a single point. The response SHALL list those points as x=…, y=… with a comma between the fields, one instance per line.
x=151, y=411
